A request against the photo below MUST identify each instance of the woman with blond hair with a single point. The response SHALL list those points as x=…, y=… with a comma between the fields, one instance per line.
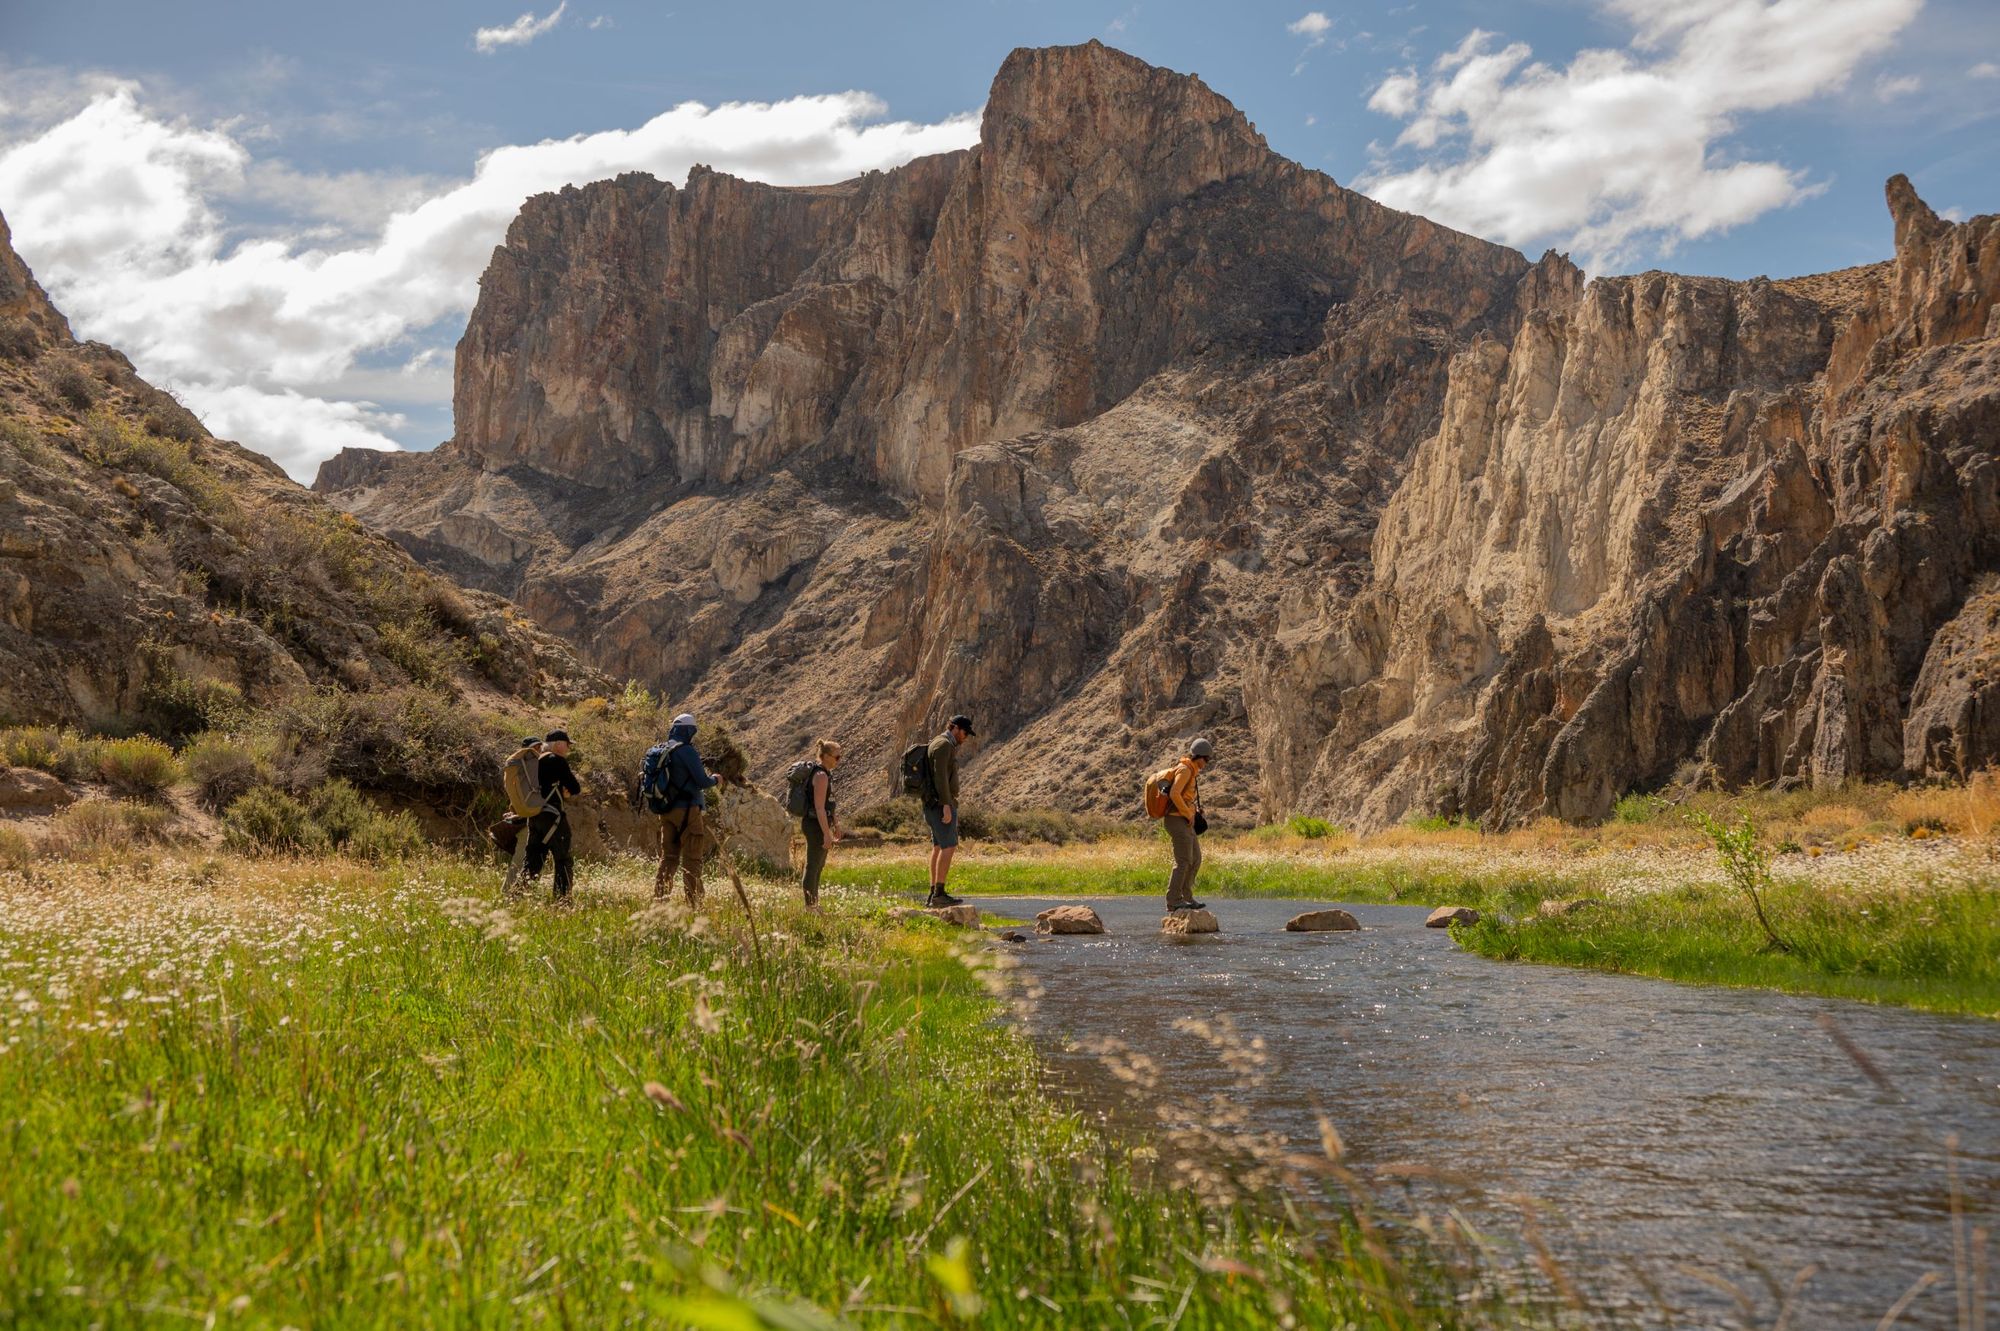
x=820, y=824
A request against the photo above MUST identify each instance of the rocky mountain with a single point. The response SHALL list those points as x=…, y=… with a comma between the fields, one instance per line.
x=149, y=570
x=1118, y=427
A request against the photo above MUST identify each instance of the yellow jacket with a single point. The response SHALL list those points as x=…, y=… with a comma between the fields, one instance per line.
x=1184, y=796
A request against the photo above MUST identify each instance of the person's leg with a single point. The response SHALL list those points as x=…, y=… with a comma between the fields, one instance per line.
x=694, y=847
x=934, y=864
x=815, y=860
x=1194, y=863
x=539, y=829
x=1180, y=887
x=559, y=850
x=670, y=852
x=944, y=864
x=518, y=865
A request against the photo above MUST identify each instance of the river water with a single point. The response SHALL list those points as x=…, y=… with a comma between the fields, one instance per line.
x=1670, y=1135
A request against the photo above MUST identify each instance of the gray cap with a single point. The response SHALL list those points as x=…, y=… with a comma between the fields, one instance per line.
x=1201, y=748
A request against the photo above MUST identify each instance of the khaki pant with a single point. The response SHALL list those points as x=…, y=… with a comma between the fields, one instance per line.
x=683, y=842
x=1187, y=861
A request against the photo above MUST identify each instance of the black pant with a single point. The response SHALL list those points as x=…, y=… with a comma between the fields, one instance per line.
x=815, y=858
x=551, y=842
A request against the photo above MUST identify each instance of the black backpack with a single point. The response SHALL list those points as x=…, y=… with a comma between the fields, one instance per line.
x=798, y=787
x=917, y=771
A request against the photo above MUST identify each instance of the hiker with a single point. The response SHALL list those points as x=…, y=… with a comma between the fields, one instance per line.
x=941, y=805
x=811, y=798
x=674, y=783
x=1181, y=786
x=556, y=780
x=520, y=774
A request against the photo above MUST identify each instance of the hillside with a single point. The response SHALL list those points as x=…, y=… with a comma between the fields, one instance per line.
x=1118, y=427
x=155, y=577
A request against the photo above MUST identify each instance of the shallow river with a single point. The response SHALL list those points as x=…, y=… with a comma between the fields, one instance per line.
x=1661, y=1128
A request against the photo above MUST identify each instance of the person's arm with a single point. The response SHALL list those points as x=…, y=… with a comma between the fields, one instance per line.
x=948, y=786
x=569, y=781
x=820, y=783
x=1179, y=794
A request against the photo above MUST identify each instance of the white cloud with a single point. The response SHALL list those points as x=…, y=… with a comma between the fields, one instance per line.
x=518, y=33
x=601, y=21
x=1985, y=69
x=1620, y=150
x=124, y=217
x=1888, y=89
x=1314, y=25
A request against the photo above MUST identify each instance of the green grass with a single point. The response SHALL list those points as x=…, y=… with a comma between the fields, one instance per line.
x=311, y=1094
x=1932, y=949
x=1421, y=881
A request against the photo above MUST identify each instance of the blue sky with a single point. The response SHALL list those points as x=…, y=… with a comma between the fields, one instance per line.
x=281, y=211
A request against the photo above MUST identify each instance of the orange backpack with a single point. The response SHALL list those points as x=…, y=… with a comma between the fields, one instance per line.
x=1157, y=786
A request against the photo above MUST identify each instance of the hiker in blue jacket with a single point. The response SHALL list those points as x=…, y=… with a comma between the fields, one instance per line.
x=683, y=830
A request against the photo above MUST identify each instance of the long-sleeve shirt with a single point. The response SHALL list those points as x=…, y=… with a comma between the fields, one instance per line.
x=944, y=769
x=686, y=778
x=556, y=779
x=1184, y=795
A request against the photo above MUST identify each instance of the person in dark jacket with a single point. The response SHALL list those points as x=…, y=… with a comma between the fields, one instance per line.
x=821, y=825
x=683, y=830
x=557, y=781
x=941, y=806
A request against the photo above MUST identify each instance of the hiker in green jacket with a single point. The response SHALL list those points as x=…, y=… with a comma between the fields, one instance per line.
x=941, y=805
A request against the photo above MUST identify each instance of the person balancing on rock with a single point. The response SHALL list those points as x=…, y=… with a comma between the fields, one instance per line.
x=941, y=810
x=1174, y=794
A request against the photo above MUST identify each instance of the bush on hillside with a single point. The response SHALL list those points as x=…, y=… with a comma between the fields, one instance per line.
x=43, y=748
x=17, y=849
x=93, y=827
x=267, y=820
x=73, y=385
x=140, y=765
x=175, y=706
x=221, y=768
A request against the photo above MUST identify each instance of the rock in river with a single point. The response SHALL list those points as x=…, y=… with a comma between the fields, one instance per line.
x=1446, y=916
x=1190, y=922
x=1069, y=920
x=1321, y=921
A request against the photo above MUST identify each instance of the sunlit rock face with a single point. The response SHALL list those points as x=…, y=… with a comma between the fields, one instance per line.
x=1118, y=428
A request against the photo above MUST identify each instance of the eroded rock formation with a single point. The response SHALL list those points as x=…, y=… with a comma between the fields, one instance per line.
x=1119, y=427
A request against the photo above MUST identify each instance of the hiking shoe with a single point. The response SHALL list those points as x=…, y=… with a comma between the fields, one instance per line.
x=940, y=897
x=1195, y=905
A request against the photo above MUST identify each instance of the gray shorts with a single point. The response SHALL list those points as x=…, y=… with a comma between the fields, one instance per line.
x=944, y=835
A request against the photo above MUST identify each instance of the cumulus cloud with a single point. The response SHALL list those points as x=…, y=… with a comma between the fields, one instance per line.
x=1985, y=69
x=125, y=217
x=518, y=33
x=1619, y=150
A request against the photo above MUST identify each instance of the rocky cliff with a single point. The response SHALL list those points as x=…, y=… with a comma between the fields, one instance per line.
x=146, y=566
x=1118, y=427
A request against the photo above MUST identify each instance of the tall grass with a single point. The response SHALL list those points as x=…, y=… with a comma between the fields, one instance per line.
x=380, y=1100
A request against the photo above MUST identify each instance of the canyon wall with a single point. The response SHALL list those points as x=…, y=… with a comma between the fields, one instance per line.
x=1118, y=427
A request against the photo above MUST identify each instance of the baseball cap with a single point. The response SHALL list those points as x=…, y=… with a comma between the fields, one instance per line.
x=964, y=722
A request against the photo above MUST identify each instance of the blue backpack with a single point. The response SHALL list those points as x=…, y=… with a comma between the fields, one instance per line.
x=656, y=776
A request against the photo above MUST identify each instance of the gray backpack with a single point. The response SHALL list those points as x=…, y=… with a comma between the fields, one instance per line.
x=798, y=787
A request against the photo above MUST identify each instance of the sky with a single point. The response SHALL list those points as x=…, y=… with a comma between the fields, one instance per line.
x=281, y=212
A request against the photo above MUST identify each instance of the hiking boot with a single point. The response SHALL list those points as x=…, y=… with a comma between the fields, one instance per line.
x=940, y=897
x=1196, y=905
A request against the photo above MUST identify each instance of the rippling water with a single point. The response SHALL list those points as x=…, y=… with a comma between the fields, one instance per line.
x=1662, y=1128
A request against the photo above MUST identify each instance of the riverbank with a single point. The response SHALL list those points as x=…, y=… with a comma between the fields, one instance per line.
x=1901, y=920
x=318, y=1093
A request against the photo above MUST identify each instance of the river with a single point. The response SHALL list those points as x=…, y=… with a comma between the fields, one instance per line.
x=1670, y=1135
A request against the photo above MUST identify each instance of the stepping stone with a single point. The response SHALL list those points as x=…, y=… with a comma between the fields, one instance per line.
x=1069, y=920
x=1321, y=921
x=1190, y=922
x=1446, y=916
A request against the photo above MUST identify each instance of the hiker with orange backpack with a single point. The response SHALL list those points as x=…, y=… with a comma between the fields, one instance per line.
x=1173, y=794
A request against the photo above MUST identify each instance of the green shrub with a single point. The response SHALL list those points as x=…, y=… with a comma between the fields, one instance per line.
x=73, y=385
x=140, y=765
x=43, y=748
x=422, y=651
x=175, y=706
x=1637, y=808
x=221, y=768
x=17, y=849
x=267, y=820
x=340, y=811
x=1309, y=828
x=104, y=826
x=1438, y=822
x=384, y=838
x=901, y=814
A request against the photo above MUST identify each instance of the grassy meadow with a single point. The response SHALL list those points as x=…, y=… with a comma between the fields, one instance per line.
x=315, y=1092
